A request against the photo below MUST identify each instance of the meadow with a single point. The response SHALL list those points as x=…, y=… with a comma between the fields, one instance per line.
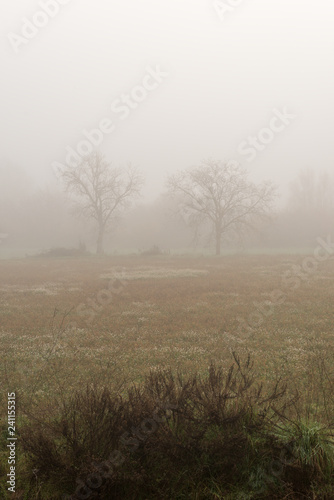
x=60, y=328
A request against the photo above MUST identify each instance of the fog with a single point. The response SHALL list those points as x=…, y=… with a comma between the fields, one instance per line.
x=164, y=85
x=166, y=249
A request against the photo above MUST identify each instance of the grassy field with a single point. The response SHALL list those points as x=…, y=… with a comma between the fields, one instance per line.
x=60, y=327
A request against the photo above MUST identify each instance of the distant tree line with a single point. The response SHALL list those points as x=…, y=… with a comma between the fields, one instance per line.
x=213, y=202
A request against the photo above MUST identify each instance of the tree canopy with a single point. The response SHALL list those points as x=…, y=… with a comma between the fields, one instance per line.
x=221, y=194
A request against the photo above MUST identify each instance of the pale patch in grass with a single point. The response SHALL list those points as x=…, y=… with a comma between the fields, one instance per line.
x=228, y=338
x=148, y=272
x=141, y=308
x=5, y=334
x=47, y=288
x=129, y=313
x=44, y=290
x=143, y=305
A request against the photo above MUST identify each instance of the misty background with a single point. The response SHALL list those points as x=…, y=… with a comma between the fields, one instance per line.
x=224, y=78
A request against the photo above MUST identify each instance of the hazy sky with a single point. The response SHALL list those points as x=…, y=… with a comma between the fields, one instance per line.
x=227, y=74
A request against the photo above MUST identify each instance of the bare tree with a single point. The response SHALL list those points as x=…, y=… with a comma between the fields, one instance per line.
x=310, y=206
x=220, y=193
x=312, y=192
x=101, y=192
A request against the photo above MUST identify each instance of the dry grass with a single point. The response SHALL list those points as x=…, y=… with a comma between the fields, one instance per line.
x=171, y=312
x=178, y=312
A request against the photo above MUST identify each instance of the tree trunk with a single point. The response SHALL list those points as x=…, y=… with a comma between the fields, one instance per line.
x=99, y=243
x=218, y=241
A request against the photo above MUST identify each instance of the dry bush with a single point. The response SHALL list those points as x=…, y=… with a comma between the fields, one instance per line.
x=218, y=432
